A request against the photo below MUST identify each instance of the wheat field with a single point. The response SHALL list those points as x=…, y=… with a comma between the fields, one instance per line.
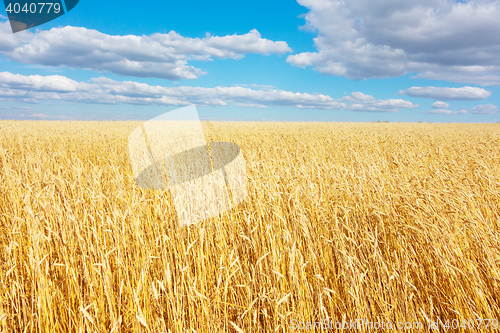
x=389, y=222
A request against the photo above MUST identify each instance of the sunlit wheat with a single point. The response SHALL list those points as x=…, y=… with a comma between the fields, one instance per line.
x=387, y=222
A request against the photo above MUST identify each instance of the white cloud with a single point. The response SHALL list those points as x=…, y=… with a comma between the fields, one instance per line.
x=22, y=112
x=485, y=109
x=247, y=105
x=158, y=55
x=445, y=93
x=39, y=115
x=440, y=105
x=445, y=112
x=54, y=83
x=439, y=112
x=3, y=17
x=444, y=39
x=362, y=102
x=33, y=88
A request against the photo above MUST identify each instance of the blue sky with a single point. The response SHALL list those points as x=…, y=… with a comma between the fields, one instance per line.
x=310, y=60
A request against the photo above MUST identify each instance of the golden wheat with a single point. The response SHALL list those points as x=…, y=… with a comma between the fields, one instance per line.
x=344, y=221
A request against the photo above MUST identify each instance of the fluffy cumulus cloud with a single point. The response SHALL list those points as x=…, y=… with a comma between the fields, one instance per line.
x=34, y=88
x=485, y=109
x=362, y=102
x=440, y=105
x=159, y=55
x=439, y=39
x=447, y=94
x=53, y=83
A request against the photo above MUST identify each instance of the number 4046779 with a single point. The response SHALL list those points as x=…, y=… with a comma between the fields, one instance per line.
x=34, y=8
